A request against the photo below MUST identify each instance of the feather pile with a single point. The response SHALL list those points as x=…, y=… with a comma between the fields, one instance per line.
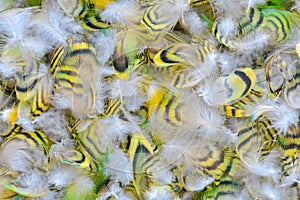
x=136, y=99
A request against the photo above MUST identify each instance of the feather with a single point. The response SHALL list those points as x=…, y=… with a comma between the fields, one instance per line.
x=81, y=188
x=30, y=184
x=104, y=44
x=14, y=23
x=51, y=24
x=161, y=16
x=118, y=167
x=193, y=24
x=225, y=7
x=274, y=109
x=253, y=3
x=62, y=175
x=158, y=192
x=227, y=27
x=23, y=117
x=196, y=181
x=53, y=125
x=113, y=129
x=142, y=160
x=123, y=12
x=114, y=190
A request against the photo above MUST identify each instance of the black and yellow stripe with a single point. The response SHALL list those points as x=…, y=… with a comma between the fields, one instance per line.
x=265, y=126
x=173, y=55
x=56, y=58
x=165, y=106
x=157, y=21
x=251, y=21
x=226, y=189
x=278, y=24
x=74, y=72
x=142, y=160
x=68, y=78
x=86, y=12
x=282, y=67
x=92, y=20
x=238, y=84
x=90, y=142
x=252, y=142
x=291, y=92
x=183, y=54
x=113, y=106
x=234, y=111
x=40, y=102
x=219, y=163
x=124, y=57
x=75, y=8
x=76, y=158
x=175, y=76
x=239, y=108
x=205, y=7
x=290, y=146
x=26, y=81
x=217, y=33
x=36, y=139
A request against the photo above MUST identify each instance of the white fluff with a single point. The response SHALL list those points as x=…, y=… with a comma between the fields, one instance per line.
x=54, y=26
x=32, y=183
x=196, y=182
x=81, y=185
x=17, y=155
x=24, y=119
x=158, y=192
x=193, y=24
x=62, y=175
x=271, y=191
x=297, y=6
x=275, y=109
x=227, y=27
x=124, y=12
x=253, y=3
x=212, y=91
x=114, y=190
x=161, y=172
x=52, y=124
x=111, y=129
x=58, y=149
x=14, y=23
x=268, y=166
x=119, y=167
x=181, y=147
x=104, y=44
x=7, y=67
x=254, y=43
x=202, y=70
x=233, y=8
x=60, y=101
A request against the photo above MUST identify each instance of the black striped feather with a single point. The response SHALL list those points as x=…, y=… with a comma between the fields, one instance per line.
x=142, y=160
x=164, y=106
x=219, y=163
x=290, y=146
x=226, y=189
x=76, y=77
x=291, y=91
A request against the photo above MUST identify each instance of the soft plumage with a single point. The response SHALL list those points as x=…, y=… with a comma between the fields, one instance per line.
x=184, y=99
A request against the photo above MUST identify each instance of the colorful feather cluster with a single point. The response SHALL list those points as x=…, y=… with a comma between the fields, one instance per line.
x=136, y=99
